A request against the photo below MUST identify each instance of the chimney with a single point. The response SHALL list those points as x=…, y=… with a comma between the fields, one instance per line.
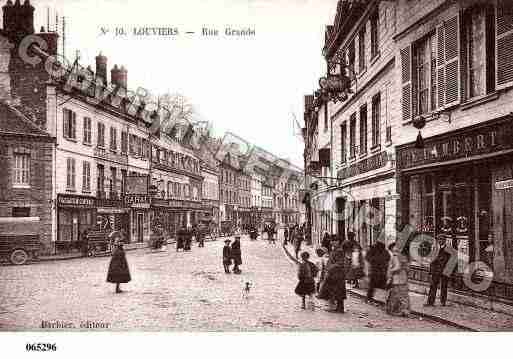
x=101, y=68
x=118, y=76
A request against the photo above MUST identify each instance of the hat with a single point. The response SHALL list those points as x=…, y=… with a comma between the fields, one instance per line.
x=226, y=241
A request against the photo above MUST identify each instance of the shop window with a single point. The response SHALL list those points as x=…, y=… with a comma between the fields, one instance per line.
x=21, y=211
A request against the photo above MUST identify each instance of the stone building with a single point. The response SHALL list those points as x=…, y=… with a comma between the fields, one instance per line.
x=421, y=140
x=26, y=158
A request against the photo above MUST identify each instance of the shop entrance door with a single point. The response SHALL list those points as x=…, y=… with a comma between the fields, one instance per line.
x=140, y=227
x=455, y=212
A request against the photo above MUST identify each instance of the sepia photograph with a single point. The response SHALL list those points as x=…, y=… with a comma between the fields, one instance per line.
x=250, y=167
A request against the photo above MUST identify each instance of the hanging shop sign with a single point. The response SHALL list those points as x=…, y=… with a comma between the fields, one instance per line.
x=486, y=139
x=137, y=184
x=369, y=164
x=73, y=201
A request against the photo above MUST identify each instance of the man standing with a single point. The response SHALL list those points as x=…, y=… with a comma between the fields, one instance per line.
x=378, y=258
x=285, y=235
x=440, y=273
x=236, y=255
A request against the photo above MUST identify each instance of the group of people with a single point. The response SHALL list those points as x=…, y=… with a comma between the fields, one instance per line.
x=232, y=255
x=387, y=268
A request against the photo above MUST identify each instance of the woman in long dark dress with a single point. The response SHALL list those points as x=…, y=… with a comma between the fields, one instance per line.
x=118, y=267
x=306, y=276
x=236, y=255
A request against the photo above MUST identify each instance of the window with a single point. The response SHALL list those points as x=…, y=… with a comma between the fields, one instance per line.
x=374, y=23
x=479, y=39
x=424, y=76
x=139, y=148
x=87, y=130
x=21, y=211
x=101, y=134
x=21, y=169
x=124, y=141
x=86, y=177
x=351, y=51
x=113, y=139
x=70, y=178
x=131, y=145
x=352, y=136
x=376, y=116
x=361, y=50
x=343, y=142
x=363, y=129
x=70, y=124
x=123, y=182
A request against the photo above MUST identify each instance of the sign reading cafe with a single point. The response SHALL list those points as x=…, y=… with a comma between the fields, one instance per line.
x=473, y=142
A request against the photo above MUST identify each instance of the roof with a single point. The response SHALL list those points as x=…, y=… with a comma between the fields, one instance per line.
x=14, y=122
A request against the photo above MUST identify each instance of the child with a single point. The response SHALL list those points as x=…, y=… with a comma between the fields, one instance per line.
x=322, y=264
x=227, y=256
x=306, y=275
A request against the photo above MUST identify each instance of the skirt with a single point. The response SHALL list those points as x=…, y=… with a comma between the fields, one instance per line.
x=398, y=300
x=305, y=288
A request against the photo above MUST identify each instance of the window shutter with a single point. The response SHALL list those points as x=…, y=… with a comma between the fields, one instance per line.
x=452, y=61
x=65, y=123
x=406, y=83
x=504, y=44
x=74, y=125
x=440, y=65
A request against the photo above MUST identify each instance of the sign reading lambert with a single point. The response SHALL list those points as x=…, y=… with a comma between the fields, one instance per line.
x=483, y=140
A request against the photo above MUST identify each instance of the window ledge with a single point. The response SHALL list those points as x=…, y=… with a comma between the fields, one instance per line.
x=87, y=144
x=476, y=101
x=70, y=139
x=21, y=186
x=361, y=73
x=71, y=190
x=86, y=191
x=388, y=143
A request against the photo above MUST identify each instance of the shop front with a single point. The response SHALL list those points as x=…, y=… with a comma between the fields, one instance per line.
x=460, y=185
x=111, y=215
x=75, y=214
x=139, y=212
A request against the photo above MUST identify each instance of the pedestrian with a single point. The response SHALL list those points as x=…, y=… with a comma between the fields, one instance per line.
x=307, y=272
x=378, y=258
x=333, y=287
x=118, y=267
x=187, y=239
x=326, y=242
x=236, y=255
x=297, y=243
x=227, y=256
x=85, y=242
x=200, y=235
x=180, y=239
x=440, y=273
x=285, y=235
x=357, y=271
x=272, y=232
x=322, y=264
x=398, y=299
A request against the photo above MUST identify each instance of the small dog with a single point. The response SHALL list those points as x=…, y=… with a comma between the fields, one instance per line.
x=246, y=289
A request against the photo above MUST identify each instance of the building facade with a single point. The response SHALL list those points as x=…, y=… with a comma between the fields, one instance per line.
x=26, y=159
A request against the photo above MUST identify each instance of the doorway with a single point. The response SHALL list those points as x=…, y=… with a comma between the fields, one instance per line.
x=140, y=228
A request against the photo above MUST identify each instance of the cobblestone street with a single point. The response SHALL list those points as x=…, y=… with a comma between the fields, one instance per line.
x=179, y=291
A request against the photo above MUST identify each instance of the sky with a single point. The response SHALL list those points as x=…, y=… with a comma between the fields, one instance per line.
x=252, y=86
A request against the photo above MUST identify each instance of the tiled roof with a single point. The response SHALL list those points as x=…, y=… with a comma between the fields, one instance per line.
x=13, y=121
